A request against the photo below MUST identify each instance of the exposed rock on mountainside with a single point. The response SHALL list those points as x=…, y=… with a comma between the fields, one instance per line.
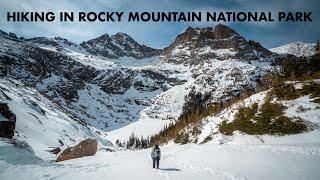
x=7, y=121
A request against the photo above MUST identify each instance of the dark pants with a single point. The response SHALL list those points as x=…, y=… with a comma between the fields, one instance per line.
x=156, y=162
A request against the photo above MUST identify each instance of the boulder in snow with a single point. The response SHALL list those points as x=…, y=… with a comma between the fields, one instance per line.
x=87, y=147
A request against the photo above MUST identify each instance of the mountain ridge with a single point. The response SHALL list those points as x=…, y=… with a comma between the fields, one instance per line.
x=73, y=81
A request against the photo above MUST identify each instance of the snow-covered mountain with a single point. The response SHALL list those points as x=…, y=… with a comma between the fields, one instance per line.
x=296, y=48
x=104, y=94
x=198, y=45
x=118, y=45
x=108, y=95
x=220, y=62
x=56, y=44
x=111, y=47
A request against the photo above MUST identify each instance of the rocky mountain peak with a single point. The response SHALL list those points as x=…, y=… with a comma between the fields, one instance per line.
x=123, y=36
x=2, y=33
x=187, y=35
x=57, y=44
x=9, y=35
x=103, y=39
x=104, y=36
x=43, y=41
x=222, y=31
x=199, y=35
x=117, y=46
x=196, y=45
x=190, y=31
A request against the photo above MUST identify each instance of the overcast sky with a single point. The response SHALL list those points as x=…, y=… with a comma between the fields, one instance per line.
x=158, y=34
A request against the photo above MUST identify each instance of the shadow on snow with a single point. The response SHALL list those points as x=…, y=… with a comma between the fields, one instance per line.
x=170, y=169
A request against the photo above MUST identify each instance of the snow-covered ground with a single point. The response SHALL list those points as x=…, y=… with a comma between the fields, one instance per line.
x=132, y=62
x=208, y=161
x=235, y=157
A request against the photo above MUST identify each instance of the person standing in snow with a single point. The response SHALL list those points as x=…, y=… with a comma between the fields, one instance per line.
x=155, y=155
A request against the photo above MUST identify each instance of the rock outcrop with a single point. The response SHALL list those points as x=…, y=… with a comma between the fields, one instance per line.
x=87, y=147
x=7, y=121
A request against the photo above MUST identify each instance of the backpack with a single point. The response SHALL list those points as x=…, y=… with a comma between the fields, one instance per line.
x=155, y=153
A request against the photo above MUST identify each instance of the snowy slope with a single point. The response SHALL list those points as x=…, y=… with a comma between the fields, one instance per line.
x=42, y=124
x=164, y=108
x=296, y=48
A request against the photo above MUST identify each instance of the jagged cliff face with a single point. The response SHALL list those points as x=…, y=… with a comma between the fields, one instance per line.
x=197, y=45
x=88, y=82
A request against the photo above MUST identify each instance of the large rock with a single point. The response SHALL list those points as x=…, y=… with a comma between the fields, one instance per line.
x=87, y=147
x=7, y=121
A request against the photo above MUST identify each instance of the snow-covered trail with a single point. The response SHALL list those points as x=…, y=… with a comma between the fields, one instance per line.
x=185, y=162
